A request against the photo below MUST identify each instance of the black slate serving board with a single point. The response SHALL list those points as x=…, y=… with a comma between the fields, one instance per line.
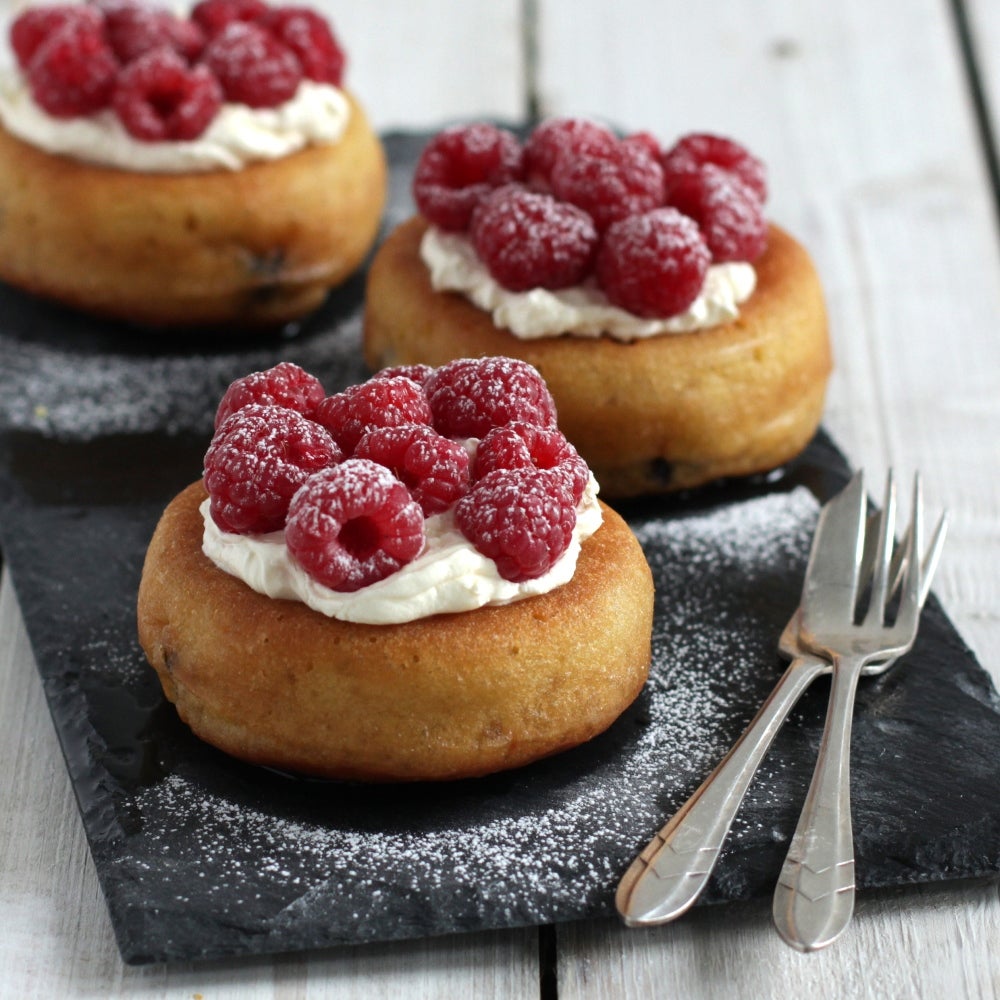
x=200, y=856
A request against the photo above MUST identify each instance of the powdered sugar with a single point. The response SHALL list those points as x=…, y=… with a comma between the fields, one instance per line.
x=309, y=863
x=61, y=388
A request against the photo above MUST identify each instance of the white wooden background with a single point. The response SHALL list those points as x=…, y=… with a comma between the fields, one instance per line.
x=874, y=117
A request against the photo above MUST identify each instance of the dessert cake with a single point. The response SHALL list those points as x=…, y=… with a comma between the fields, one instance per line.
x=412, y=579
x=183, y=171
x=682, y=335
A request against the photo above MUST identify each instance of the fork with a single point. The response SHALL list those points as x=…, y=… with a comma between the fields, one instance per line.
x=814, y=898
x=669, y=875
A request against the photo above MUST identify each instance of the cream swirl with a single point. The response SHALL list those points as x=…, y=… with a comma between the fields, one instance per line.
x=448, y=576
x=582, y=311
x=238, y=135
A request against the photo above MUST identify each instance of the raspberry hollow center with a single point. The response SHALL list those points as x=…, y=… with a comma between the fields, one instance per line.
x=360, y=537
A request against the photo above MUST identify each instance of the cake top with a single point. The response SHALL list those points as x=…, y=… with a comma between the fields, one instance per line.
x=352, y=478
x=166, y=77
x=575, y=204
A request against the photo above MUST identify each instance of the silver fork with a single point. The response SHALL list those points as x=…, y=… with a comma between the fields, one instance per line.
x=669, y=875
x=814, y=898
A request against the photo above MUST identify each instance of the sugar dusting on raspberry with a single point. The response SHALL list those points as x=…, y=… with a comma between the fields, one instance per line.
x=252, y=66
x=556, y=138
x=285, y=384
x=531, y=240
x=433, y=468
x=728, y=212
x=696, y=150
x=258, y=458
x=459, y=167
x=519, y=445
x=353, y=524
x=619, y=181
x=522, y=519
x=470, y=396
x=159, y=97
x=80, y=59
x=545, y=844
x=653, y=264
x=32, y=26
x=135, y=28
x=523, y=236
x=311, y=39
x=73, y=71
x=379, y=402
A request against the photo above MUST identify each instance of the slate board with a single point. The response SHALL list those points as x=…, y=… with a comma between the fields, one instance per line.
x=200, y=856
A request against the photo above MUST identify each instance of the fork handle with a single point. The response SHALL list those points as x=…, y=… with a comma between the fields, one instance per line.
x=666, y=878
x=814, y=898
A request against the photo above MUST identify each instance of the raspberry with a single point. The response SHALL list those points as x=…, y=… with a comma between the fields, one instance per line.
x=550, y=141
x=647, y=141
x=459, y=167
x=253, y=67
x=213, y=15
x=530, y=240
x=285, y=384
x=618, y=181
x=470, y=396
x=653, y=264
x=434, y=469
x=523, y=446
x=159, y=97
x=522, y=519
x=729, y=214
x=186, y=37
x=33, y=26
x=73, y=71
x=134, y=29
x=694, y=151
x=353, y=525
x=379, y=402
x=416, y=373
x=308, y=35
x=257, y=460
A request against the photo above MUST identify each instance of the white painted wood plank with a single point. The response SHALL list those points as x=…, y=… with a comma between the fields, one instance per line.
x=861, y=112
x=417, y=66
x=420, y=65
x=875, y=166
x=983, y=19
x=926, y=942
x=412, y=66
x=56, y=938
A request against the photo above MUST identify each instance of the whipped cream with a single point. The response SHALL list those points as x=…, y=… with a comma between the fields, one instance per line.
x=448, y=576
x=238, y=135
x=584, y=310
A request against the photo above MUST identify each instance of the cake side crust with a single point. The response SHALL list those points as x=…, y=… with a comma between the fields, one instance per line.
x=668, y=412
x=256, y=246
x=452, y=696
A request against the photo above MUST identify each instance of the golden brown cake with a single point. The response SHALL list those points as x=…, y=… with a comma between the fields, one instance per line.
x=681, y=334
x=410, y=579
x=451, y=696
x=665, y=413
x=258, y=246
x=199, y=169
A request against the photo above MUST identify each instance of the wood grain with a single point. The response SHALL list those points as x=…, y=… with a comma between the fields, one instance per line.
x=864, y=114
x=56, y=939
x=876, y=163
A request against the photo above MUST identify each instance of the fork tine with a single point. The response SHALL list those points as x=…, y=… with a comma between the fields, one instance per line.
x=909, y=604
x=837, y=553
x=883, y=554
x=928, y=566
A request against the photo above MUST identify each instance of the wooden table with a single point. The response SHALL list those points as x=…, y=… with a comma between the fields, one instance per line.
x=878, y=120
